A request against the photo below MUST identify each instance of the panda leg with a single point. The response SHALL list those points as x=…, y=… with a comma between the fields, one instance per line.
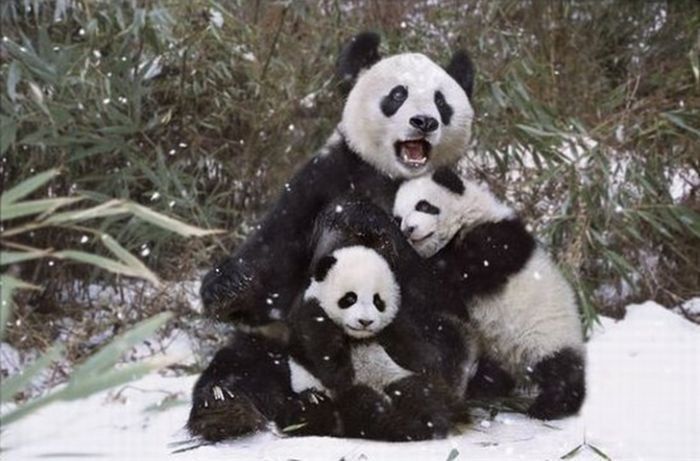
x=561, y=379
x=309, y=413
x=365, y=413
x=490, y=381
x=242, y=389
x=423, y=408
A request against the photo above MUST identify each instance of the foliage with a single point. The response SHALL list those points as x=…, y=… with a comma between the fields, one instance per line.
x=98, y=371
x=587, y=118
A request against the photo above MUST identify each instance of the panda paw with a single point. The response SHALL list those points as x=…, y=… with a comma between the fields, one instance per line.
x=219, y=414
x=228, y=291
x=309, y=413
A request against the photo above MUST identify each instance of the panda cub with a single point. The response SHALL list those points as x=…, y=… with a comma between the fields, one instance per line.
x=343, y=336
x=519, y=305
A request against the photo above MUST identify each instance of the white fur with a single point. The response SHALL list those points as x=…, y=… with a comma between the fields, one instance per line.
x=534, y=316
x=458, y=212
x=372, y=134
x=302, y=379
x=373, y=366
x=364, y=272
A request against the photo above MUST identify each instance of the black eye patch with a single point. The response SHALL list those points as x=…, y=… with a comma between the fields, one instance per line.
x=394, y=100
x=444, y=108
x=379, y=302
x=426, y=207
x=347, y=300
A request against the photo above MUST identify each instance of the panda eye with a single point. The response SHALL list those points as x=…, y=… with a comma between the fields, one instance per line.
x=426, y=207
x=440, y=100
x=379, y=302
x=347, y=300
x=399, y=93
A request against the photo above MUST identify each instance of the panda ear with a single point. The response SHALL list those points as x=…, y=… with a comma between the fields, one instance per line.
x=359, y=53
x=461, y=69
x=449, y=180
x=323, y=266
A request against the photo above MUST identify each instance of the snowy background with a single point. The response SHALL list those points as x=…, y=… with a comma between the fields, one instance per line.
x=643, y=383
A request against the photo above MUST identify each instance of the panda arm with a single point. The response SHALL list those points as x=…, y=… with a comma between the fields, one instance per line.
x=320, y=345
x=406, y=344
x=271, y=263
x=480, y=260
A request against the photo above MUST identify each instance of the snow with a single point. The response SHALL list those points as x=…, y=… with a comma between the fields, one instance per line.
x=643, y=376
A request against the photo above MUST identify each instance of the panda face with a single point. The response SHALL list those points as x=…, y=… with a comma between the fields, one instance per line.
x=406, y=115
x=427, y=213
x=357, y=290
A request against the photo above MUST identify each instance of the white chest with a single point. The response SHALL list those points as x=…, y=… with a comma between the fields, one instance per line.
x=373, y=366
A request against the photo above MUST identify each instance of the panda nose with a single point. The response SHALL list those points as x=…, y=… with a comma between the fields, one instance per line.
x=424, y=123
x=407, y=231
x=365, y=323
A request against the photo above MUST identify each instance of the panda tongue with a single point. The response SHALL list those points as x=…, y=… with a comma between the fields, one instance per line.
x=413, y=151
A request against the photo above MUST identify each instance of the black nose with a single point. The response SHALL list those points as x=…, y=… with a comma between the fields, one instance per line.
x=424, y=123
x=366, y=323
x=409, y=230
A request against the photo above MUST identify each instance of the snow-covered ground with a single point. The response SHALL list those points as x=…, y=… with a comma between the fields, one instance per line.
x=643, y=403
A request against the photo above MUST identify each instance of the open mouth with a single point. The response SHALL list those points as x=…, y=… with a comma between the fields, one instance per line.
x=414, y=153
x=422, y=239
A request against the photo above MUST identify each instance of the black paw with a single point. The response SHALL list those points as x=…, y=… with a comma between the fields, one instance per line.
x=228, y=291
x=219, y=414
x=422, y=409
x=309, y=413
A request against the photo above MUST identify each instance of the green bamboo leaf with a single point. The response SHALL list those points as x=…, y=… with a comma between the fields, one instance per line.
x=109, y=208
x=679, y=122
x=599, y=452
x=454, y=453
x=128, y=259
x=536, y=131
x=104, y=359
x=8, y=132
x=8, y=285
x=26, y=187
x=12, y=257
x=13, y=76
x=12, y=385
x=33, y=207
x=110, y=265
x=166, y=222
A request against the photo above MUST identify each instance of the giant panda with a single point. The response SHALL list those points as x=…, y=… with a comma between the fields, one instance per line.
x=351, y=341
x=519, y=305
x=404, y=115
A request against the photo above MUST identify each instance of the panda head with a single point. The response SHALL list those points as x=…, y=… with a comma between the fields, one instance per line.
x=432, y=209
x=427, y=209
x=357, y=290
x=405, y=115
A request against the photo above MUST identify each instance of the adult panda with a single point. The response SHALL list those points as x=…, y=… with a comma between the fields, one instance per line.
x=520, y=307
x=404, y=116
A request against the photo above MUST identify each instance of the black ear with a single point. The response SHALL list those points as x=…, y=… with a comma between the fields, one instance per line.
x=359, y=53
x=323, y=266
x=461, y=69
x=449, y=180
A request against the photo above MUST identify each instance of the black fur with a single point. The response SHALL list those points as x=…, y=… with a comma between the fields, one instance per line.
x=324, y=265
x=444, y=108
x=394, y=100
x=253, y=377
x=461, y=69
x=449, y=180
x=562, y=383
x=481, y=260
x=426, y=207
x=359, y=53
x=490, y=381
x=273, y=261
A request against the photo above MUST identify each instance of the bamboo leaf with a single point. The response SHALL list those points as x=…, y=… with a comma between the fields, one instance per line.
x=33, y=207
x=8, y=131
x=572, y=453
x=109, y=355
x=454, y=453
x=166, y=222
x=109, y=208
x=128, y=259
x=8, y=285
x=26, y=187
x=110, y=265
x=679, y=122
x=12, y=385
x=599, y=452
x=12, y=257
